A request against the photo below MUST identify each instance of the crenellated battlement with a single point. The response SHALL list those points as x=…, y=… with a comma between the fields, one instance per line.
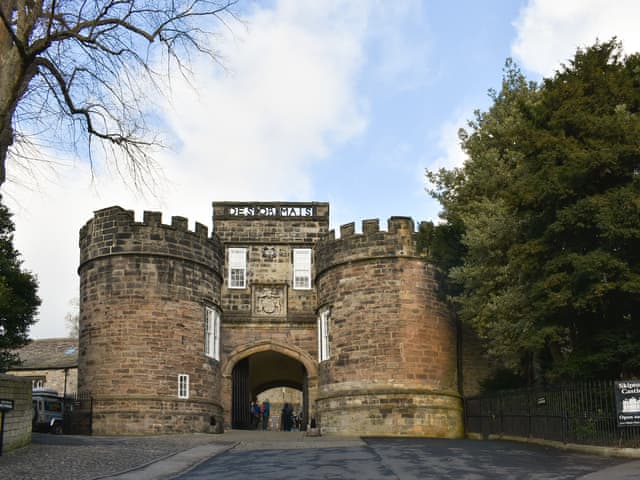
x=144, y=292
x=397, y=241
x=114, y=231
x=159, y=307
x=120, y=216
x=391, y=343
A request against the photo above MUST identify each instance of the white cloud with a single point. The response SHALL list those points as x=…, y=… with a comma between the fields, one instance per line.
x=448, y=144
x=286, y=99
x=449, y=155
x=47, y=226
x=404, y=55
x=550, y=31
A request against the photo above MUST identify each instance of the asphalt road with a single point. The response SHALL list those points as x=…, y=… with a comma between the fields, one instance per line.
x=384, y=458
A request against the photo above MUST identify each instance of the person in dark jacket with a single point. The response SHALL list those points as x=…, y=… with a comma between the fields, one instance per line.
x=287, y=412
x=265, y=410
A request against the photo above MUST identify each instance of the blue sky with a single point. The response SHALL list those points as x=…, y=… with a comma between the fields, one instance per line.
x=340, y=101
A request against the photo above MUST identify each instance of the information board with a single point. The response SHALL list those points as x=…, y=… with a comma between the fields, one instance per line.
x=628, y=403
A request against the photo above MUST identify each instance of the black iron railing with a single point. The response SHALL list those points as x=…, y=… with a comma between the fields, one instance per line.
x=583, y=413
x=78, y=413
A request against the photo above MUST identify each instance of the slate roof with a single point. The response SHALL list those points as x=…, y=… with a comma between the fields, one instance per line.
x=48, y=353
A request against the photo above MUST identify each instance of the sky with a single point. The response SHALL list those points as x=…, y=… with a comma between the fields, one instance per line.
x=346, y=102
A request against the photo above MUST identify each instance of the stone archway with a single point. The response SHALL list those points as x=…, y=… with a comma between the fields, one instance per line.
x=252, y=368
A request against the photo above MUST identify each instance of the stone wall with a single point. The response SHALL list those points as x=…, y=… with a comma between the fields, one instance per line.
x=269, y=313
x=143, y=292
x=476, y=366
x=270, y=241
x=296, y=341
x=256, y=227
x=17, y=422
x=144, y=287
x=392, y=364
x=53, y=379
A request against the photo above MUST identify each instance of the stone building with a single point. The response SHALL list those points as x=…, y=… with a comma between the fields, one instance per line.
x=180, y=330
x=50, y=363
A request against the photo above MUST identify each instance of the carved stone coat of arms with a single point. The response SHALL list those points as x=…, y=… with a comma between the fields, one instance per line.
x=269, y=301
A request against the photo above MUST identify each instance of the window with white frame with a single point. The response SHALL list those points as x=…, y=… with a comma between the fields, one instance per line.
x=301, y=268
x=237, y=268
x=323, y=335
x=212, y=333
x=37, y=382
x=183, y=386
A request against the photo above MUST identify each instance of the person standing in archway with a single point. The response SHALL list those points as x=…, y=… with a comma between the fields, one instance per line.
x=255, y=415
x=286, y=417
x=265, y=410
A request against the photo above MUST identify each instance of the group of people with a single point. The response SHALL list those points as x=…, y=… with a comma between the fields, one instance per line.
x=260, y=414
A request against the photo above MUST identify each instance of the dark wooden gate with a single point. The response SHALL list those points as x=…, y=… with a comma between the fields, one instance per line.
x=241, y=395
x=78, y=414
x=305, y=399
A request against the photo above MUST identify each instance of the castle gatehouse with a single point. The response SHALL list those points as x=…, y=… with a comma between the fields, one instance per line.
x=180, y=330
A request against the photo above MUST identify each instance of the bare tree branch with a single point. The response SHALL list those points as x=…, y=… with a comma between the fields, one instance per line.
x=82, y=61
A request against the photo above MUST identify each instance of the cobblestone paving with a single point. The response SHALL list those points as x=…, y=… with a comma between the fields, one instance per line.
x=52, y=457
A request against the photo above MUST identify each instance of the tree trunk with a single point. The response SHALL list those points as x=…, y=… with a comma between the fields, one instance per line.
x=6, y=138
x=15, y=75
x=6, y=133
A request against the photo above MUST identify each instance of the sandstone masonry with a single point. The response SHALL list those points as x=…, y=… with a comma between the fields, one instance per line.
x=180, y=331
x=143, y=289
x=392, y=363
x=17, y=419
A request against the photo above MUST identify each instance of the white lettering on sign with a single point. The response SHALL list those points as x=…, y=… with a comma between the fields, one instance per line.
x=260, y=211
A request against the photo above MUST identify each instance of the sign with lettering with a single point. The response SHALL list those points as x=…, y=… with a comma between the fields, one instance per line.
x=271, y=211
x=6, y=405
x=628, y=403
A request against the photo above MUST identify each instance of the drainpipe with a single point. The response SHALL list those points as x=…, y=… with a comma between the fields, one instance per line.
x=66, y=373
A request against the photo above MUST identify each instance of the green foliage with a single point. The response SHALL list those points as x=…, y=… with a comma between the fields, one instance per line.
x=547, y=214
x=502, y=379
x=19, y=301
x=424, y=239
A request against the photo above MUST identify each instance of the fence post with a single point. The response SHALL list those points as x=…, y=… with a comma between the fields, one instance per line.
x=563, y=410
x=530, y=395
x=465, y=417
x=501, y=413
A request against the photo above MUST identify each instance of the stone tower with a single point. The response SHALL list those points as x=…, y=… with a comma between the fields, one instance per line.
x=180, y=331
x=149, y=302
x=387, y=345
x=268, y=301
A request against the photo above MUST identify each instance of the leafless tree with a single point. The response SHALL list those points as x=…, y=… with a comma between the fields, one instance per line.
x=72, y=319
x=71, y=71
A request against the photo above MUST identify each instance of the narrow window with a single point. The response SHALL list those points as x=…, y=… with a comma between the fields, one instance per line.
x=183, y=386
x=212, y=333
x=323, y=335
x=237, y=267
x=301, y=268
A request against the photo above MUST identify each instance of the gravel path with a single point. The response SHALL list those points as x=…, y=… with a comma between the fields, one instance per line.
x=55, y=457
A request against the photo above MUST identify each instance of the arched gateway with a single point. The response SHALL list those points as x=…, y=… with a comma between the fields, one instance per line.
x=180, y=331
x=264, y=365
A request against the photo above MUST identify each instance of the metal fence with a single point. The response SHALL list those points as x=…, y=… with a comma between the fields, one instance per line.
x=583, y=413
x=78, y=414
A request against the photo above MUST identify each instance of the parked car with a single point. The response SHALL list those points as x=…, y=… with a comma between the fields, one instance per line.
x=48, y=410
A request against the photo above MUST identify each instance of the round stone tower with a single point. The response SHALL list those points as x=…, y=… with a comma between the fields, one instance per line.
x=387, y=345
x=149, y=301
